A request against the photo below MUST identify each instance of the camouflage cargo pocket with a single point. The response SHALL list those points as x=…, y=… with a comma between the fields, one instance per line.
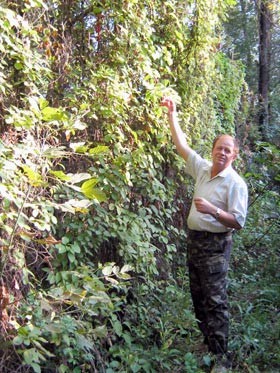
x=217, y=265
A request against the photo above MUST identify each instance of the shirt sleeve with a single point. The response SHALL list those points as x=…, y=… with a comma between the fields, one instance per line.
x=238, y=202
x=194, y=164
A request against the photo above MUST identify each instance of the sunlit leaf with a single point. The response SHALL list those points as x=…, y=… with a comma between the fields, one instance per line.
x=99, y=150
x=55, y=152
x=126, y=268
x=43, y=103
x=77, y=178
x=107, y=270
x=78, y=125
x=60, y=175
x=34, y=177
x=93, y=193
x=79, y=147
x=74, y=206
x=50, y=114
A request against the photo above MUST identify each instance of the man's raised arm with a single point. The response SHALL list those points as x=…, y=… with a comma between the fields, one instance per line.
x=178, y=135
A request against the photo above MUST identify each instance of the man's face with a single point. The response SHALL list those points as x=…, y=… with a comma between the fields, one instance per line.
x=223, y=153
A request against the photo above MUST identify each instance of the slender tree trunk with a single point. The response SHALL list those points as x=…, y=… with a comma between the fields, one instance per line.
x=265, y=25
x=249, y=59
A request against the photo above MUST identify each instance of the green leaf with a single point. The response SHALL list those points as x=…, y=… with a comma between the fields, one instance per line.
x=60, y=175
x=89, y=184
x=135, y=367
x=71, y=257
x=43, y=103
x=79, y=147
x=65, y=240
x=92, y=193
x=18, y=65
x=126, y=268
x=34, y=177
x=117, y=327
x=107, y=270
x=31, y=355
x=36, y=367
x=50, y=114
x=100, y=331
x=99, y=195
x=18, y=340
x=99, y=150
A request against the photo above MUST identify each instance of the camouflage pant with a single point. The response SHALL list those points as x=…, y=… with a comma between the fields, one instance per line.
x=208, y=259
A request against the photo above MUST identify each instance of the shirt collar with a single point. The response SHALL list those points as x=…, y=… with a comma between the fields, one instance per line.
x=223, y=173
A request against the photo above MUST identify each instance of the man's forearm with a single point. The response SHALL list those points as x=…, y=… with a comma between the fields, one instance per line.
x=178, y=135
x=224, y=217
x=228, y=220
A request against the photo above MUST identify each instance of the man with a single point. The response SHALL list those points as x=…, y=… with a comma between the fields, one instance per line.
x=218, y=208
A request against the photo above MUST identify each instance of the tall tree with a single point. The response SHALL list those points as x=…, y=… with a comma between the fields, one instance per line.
x=265, y=27
x=252, y=36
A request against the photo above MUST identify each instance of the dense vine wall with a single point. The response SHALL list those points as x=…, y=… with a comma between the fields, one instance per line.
x=93, y=197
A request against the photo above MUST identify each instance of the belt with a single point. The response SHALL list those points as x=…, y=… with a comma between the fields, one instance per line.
x=205, y=234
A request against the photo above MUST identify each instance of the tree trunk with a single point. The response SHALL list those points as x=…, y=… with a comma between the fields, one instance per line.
x=265, y=25
x=246, y=37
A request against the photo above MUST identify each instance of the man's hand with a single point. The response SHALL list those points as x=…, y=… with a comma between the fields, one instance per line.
x=205, y=207
x=169, y=103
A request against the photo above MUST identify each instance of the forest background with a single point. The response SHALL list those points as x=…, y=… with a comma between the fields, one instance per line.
x=94, y=197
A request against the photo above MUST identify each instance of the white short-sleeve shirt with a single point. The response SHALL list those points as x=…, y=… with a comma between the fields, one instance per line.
x=227, y=190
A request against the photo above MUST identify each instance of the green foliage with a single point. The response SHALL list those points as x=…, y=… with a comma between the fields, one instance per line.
x=241, y=41
x=54, y=327
x=227, y=97
x=254, y=285
x=93, y=201
x=154, y=334
x=22, y=69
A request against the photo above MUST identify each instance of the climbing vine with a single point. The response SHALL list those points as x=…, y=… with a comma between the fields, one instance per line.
x=93, y=197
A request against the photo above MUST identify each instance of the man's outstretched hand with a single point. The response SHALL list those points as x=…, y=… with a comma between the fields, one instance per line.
x=169, y=103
